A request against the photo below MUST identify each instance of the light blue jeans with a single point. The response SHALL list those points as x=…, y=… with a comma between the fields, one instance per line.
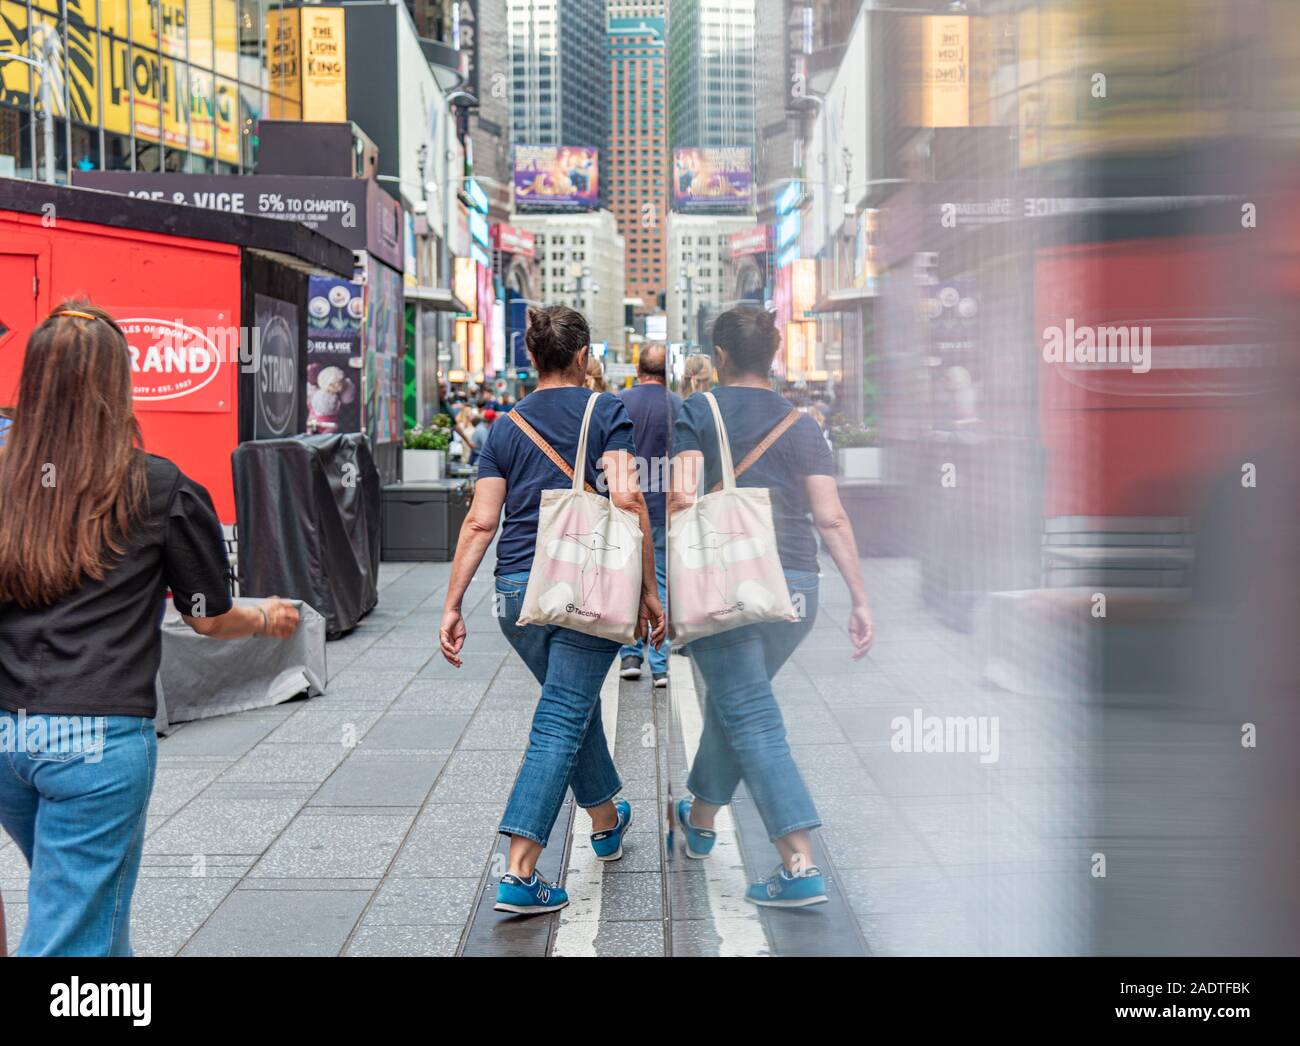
x=77, y=809
x=744, y=735
x=566, y=746
x=658, y=657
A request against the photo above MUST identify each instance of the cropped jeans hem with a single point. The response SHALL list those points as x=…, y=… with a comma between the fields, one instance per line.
x=523, y=833
x=601, y=802
x=802, y=826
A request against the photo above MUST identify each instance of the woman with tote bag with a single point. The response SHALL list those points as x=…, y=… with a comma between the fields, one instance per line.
x=568, y=589
x=735, y=534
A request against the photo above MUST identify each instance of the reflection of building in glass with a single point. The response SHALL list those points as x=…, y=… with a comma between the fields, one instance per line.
x=559, y=82
x=711, y=73
x=580, y=263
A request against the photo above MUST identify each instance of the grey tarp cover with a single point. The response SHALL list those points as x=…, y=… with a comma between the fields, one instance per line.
x=201, y=677
x=308, y=513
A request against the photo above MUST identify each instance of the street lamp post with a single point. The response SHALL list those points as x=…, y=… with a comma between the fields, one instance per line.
x=46, y=66
x=690, y=270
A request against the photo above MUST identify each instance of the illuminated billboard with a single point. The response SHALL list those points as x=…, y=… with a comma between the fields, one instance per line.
x=712, y=180
x=557, y=176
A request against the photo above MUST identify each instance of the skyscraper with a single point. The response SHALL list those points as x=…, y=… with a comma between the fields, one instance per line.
x=559, y=72
x=637, y=163
x=711, y=68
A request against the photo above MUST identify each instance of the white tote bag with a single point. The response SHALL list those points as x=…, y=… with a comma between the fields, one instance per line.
x=724, y=570
x=586, y=572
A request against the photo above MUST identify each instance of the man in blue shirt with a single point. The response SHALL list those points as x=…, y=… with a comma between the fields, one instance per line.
x=654, y=411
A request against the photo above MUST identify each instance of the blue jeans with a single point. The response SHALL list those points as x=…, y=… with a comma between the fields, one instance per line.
x=566, y=746
x=77, y=812
x=659, y=657
x=743, y=735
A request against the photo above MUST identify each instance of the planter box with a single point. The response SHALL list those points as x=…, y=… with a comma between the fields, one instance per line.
x=423, y=466
x=859, y=463
x=422, y=520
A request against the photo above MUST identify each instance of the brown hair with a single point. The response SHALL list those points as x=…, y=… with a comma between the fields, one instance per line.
x=749, y=335
x=71, y=480
x=555, y=336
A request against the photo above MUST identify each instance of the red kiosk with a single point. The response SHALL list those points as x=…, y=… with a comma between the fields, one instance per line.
x=189, y=287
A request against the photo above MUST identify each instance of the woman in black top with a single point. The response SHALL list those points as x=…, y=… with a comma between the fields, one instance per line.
x=93, y=532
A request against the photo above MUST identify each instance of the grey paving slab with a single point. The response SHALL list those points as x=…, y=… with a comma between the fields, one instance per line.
x=381, y=778
x=404, y=730
x=441, y=695
x=226, y=736
x=405, y=901
x=324, y=725
x=434, y=850
x=318, y=845
x=476, y=664
x=217, y=825
x=15, y=919
x=393, y=657
x=409, y=941
x=307, y=763
x=476, y=774
x=630, y=938
x=498, y=729
x=167, y=911
x=280, y=922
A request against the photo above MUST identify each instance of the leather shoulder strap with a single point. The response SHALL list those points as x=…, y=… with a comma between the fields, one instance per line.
x=765, y=444
x=544, y=447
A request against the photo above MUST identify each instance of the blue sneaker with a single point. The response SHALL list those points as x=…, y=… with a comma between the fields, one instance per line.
x=609, y=843
x=529, y=896
x=699, y=841
x=783, y=890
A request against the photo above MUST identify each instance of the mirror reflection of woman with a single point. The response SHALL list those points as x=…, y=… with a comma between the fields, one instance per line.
x=743, y=736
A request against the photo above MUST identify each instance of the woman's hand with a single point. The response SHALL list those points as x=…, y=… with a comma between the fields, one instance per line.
x=650, y=619
x=451, y=635
x=862, y=630
x=281, y=618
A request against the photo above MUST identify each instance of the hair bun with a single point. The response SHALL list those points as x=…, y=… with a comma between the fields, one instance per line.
x=539, y=318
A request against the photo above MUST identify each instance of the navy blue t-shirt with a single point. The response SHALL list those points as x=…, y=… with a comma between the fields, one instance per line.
x=556, y=414
x=749, y=415
x=654, y=411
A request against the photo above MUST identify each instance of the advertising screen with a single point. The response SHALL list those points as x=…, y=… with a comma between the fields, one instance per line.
x=556, y=176
x=712, y=180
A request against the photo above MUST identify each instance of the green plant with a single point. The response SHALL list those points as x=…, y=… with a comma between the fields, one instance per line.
x=847, y=434
x=441, y=421
x=435, y=437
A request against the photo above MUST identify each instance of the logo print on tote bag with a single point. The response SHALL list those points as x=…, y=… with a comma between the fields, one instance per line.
x=710, y=544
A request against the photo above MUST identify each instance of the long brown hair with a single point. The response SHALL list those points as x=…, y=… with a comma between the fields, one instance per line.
x=72, y=484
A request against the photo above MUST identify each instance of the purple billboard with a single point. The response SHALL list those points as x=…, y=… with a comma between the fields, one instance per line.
x=712, y=180
x=557, y=176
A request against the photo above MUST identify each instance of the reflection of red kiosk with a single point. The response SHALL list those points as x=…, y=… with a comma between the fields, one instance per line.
x=184, y=283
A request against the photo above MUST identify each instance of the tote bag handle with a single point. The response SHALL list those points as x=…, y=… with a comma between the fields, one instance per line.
x=580, y=470
x=724, y=445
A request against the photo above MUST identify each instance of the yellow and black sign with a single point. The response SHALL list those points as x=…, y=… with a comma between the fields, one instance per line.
x=126, y=68
x=307, y=64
